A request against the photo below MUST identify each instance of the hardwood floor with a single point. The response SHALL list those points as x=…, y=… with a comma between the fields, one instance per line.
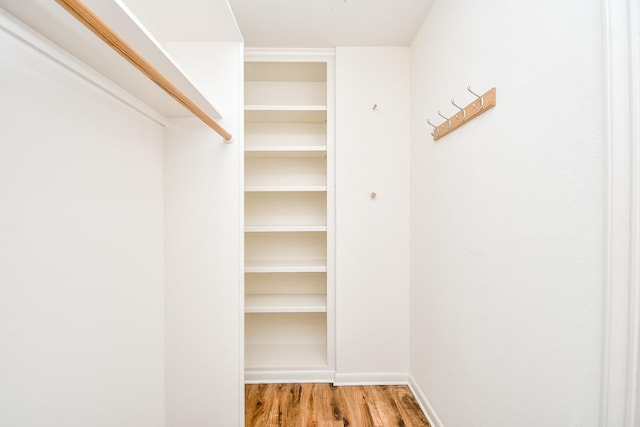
x=324, y=405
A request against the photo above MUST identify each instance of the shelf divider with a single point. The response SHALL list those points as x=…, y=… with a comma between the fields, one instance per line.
x=285, y=303
x=284, y=228
x=268, y=107
x=285, y=266
x=270, y=188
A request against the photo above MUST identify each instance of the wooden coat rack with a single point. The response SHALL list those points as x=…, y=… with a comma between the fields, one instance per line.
x=481, y=104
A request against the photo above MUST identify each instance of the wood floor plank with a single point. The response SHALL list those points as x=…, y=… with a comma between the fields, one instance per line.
x=325, y=405
x=326, y=424
x=411, y=406
x=401, y=417
x=350, y=409
x=306, y=403
x=382, y=407
x=255, y=404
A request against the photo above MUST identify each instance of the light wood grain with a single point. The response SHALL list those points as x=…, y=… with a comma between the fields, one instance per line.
x=94, y=23
x=324, y=405
x=471, y=111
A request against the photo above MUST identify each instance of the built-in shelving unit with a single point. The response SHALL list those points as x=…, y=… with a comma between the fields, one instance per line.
x=288, y=221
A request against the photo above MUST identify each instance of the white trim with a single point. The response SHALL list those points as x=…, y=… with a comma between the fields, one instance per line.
x=617, y=298
x=285, y=377
x=288, y=55
x=32, y=40
x=331, y=214
x=240, y=189
x=424, y=403
x=632, y=417
x=372, y=378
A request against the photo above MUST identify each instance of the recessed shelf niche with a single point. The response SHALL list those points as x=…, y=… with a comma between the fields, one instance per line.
x=288, y=300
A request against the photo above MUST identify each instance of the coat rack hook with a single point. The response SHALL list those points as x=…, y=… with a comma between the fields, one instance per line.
x=469, y=112
x=446, y=118
x=464, y=113
x=436, y=130
x=478, y=96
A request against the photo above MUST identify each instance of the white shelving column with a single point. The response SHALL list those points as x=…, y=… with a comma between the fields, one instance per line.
x=289, y=219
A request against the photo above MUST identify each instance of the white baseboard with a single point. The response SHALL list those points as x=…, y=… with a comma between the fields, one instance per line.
x=293, y=376
x=371, y=379
x=424, y=403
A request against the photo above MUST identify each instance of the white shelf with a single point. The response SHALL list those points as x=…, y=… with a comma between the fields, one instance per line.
x=285, y=208
x=283, y=115
x=283, y=188
x=285, y=108
x=284, y=154
x=262, y=71
x=284, y=228
x=285, y=93
x=286, y=151
x=285, y=283
x=276, y=171
x=285, y=266
x=285, y=304
x=286, y=148
x=291, y=356
x=61, y=29
x=285, y=340
x=299, y=251
x=285, y=134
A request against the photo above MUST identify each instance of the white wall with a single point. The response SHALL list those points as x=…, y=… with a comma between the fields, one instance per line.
x=372, y=236
x=506, y=251
x=81, y=251
x=203, y=230
x=634, y=235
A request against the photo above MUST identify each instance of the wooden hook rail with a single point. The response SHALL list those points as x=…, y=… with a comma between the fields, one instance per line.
x=465, y=115
x=93, y=22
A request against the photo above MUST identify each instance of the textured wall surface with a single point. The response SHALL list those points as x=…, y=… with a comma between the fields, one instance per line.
x=81, y=251
x=506, y=217
x=203, y=262
x=372, y=237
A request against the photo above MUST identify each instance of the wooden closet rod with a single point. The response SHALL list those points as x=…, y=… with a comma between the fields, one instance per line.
x=93, y=22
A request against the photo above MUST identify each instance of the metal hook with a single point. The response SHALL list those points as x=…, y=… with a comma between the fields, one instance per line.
x=464, y=113
x=446, y=118
x=435, y=129
x=479, y=97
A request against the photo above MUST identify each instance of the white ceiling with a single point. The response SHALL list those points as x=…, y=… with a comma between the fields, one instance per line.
x=329, y=23
x=186, y=20
x=284, y=23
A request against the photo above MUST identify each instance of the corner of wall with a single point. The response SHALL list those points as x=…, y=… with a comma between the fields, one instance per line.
x=424, y=403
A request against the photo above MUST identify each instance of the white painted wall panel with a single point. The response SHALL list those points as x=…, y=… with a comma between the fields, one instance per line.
x=81, y=251
x=506, y=263
x=372, y=261
x=203, y=226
